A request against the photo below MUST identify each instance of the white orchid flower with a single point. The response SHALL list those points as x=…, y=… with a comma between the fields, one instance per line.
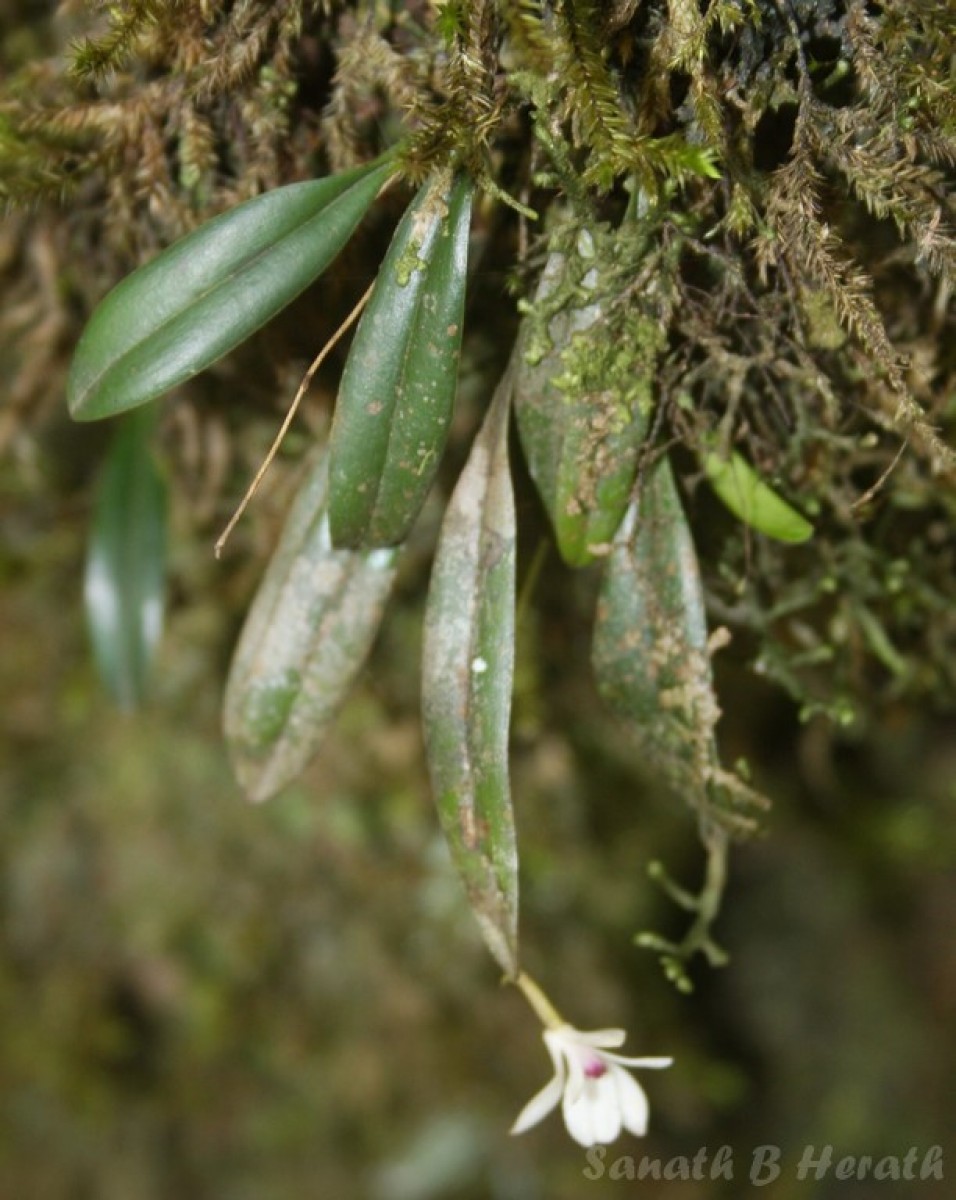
x=597, y=1095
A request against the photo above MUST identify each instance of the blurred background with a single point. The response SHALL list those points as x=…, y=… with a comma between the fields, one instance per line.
x=199, y=998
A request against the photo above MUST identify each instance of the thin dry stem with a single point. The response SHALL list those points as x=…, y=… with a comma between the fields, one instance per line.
x=290, y=416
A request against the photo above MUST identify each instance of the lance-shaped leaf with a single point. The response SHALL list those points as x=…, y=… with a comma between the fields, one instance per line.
x=467, y=671
x=307, y=634
x=125, y=577
x=753, y=501
x=582, y=409
x=398, y=387
x=212, y=289
x=650, y=650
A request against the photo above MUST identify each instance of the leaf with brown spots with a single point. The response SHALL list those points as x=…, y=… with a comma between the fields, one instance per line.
x=398, y=388
x=650, y=651
x=583, y=403
x=467, y=673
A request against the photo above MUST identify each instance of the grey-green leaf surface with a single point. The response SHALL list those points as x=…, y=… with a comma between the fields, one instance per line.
x=467, y=674
x=125, y=577
x=650, y=649
x=207, y=293
x=753, y=501
x=398, y=387
x=307, y=635
x=582, y=406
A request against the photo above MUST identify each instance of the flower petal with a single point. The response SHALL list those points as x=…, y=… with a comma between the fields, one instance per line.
x=605, y=1107
x=601, y=1039
x=593, y=1116
x=539, y=1105
x=651, y=1063
x=632, y=1101
x=577, y=1117
x=561, y=1047
x=573, y=1065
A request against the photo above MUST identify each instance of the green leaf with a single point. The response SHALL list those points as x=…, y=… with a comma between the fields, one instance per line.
x=752, y=501
x=306, y=637
x=398, y=388
x=650, y=651
x=651, y=632
x=467, y=672
x=211, y=290
x=582, y=415
x=125, y=577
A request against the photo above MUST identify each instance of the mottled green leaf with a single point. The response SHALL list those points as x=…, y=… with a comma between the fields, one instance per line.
x=753, y=501
x=651, y=632
x=467, y=672
x=306, y=637
x=650, y=650
x=212, y=289
x=582, y=408
x=398, y=388
x=125, y=577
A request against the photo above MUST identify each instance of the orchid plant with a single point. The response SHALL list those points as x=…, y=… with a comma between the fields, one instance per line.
x=616, y=419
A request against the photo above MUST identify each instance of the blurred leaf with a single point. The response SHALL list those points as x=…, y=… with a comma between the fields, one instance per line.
x=580, y=415
x=125, y=579
x=753, y=501
x=442, y=1158
x=307, y=634
x=212, y=289
x=398, y=388
x=467, y=672
x=650, y=649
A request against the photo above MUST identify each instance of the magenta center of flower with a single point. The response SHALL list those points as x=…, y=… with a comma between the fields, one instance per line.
x=594, y=1067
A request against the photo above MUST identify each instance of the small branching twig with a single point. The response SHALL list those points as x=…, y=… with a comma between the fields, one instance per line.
x=675, y=956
